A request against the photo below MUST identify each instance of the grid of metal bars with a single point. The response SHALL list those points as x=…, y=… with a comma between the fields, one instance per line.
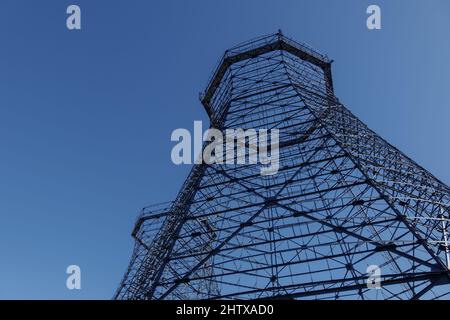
x=343, y=199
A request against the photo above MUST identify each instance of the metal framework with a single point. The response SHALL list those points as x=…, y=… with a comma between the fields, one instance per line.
x=343, y=199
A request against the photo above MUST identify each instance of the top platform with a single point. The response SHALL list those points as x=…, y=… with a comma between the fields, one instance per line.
x=256, y=47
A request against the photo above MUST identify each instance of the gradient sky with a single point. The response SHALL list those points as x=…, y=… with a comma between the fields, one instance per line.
x=86, y=116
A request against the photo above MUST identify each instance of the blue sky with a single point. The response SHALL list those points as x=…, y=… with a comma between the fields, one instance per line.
x=86, y=116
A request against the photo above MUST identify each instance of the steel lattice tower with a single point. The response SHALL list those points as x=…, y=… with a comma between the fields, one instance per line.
x=343, y=199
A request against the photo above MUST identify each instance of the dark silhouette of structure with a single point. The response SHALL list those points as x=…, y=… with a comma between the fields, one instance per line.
x=344, y=199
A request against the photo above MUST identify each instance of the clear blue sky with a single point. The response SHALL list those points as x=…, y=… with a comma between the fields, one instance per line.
x=86, y=116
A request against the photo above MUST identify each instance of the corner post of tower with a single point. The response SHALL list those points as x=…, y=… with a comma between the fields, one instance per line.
x=328, y=78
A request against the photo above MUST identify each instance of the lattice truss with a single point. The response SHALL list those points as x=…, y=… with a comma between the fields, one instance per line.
x=343, y=199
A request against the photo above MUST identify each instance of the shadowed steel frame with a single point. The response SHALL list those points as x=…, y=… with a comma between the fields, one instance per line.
x=344, y=199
